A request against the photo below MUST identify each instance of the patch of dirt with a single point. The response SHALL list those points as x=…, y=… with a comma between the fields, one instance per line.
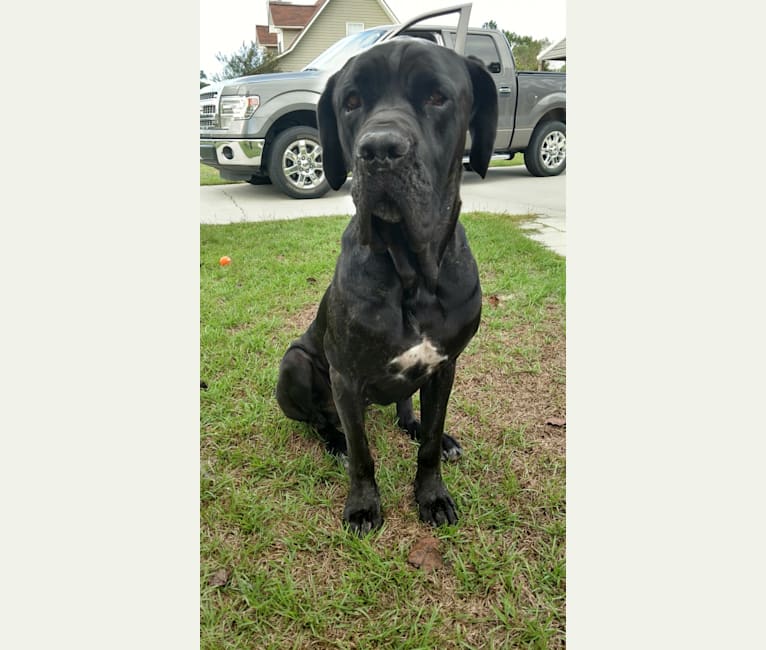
x=299, y=321
x=506, y=395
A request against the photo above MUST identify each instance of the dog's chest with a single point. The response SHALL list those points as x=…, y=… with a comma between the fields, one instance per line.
x=419, y=338
x=401, y=365
x=417, y=361
x=391, y=339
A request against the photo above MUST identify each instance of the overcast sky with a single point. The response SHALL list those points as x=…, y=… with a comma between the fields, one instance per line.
x=225, y=24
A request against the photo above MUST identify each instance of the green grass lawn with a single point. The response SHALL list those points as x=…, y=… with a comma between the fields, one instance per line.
x=277, y=568
x=518, y=159
x=210, y=176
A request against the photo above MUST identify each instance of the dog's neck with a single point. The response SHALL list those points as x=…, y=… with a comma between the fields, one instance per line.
x=421, y=265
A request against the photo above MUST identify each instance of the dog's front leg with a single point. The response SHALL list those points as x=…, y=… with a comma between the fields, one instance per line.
x=434, y=501
x=362, y=512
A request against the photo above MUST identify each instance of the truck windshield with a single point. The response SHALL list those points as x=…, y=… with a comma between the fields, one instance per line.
x=337, y=54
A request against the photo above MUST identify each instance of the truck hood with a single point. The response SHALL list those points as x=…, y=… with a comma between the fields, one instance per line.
x=275, y=81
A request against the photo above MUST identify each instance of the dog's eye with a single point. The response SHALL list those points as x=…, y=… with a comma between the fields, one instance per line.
x=435, y=99
x=353, y=101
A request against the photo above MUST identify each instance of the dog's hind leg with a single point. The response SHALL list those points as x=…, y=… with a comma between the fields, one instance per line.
x=304, y=394
x=405, y=418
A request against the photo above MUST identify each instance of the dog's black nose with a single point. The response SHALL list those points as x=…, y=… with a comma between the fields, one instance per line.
x=383, y=145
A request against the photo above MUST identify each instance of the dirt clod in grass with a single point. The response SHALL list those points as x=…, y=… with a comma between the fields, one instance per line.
x=496, y=300
x=220, y=578
x=425, y=555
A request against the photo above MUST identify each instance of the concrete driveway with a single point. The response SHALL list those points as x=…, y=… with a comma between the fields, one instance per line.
x=509, y=190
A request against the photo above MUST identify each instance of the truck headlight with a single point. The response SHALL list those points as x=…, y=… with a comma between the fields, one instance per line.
x=239, y=107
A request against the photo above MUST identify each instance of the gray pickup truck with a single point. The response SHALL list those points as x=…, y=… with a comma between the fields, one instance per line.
x=263, y=128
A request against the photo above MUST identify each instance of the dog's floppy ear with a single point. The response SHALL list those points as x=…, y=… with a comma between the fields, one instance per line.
x=333, y=162
x=483, y=123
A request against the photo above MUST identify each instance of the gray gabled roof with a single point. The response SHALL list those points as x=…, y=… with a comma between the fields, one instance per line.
x=556, y=52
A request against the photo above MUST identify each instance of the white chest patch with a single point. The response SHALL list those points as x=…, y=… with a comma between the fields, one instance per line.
x=422, y=354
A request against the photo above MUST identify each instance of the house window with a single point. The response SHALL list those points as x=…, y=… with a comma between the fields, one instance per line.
x=354, y=28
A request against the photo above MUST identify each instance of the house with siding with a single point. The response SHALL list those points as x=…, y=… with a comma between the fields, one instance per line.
x=556, y=52
x=297, y=34
x=266, y=40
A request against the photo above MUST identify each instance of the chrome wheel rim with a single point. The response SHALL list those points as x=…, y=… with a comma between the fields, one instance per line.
x=554, y=150
x=302, y=164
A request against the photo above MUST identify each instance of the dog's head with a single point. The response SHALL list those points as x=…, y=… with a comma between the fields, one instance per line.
x=396, y=116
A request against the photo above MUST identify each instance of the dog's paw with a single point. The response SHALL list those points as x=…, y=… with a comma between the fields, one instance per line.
x=362, y=513
x=451, y=449
x=334, y=440
x=435, y=504
x=337, y=448
x=412, y=427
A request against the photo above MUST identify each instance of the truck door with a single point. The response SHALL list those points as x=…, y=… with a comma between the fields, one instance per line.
x=484, y=48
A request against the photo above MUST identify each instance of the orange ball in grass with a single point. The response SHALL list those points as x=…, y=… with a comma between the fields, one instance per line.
x=225, y=260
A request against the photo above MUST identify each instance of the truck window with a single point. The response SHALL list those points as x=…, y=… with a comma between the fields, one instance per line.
x=483, y=47
x=428, y=36
x=337, y=54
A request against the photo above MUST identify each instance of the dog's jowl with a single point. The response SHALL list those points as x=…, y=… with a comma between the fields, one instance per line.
x=405, y=298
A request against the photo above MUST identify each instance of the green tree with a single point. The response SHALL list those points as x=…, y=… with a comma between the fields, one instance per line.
x=249, y=59
x=203, y=79
x=525, y=50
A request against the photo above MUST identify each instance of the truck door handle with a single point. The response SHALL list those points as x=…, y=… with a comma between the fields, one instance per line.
x=504, y=90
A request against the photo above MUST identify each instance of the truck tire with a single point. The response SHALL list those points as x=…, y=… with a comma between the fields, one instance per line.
x=546, y=154
x=295, y=163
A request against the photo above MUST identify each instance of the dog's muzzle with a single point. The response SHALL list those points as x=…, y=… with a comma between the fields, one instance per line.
x=383, y=156
x=393, y=195
x=382, y=149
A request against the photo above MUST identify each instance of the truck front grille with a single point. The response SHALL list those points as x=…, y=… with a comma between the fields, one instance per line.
x=208, y=110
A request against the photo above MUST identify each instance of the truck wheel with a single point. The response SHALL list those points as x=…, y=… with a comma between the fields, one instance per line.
x=546, y=154
x=295, y=163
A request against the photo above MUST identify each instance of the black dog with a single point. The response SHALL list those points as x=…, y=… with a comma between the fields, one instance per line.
x=405, y=299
